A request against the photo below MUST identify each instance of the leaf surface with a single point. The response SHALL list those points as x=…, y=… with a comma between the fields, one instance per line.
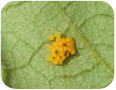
x=25, y=30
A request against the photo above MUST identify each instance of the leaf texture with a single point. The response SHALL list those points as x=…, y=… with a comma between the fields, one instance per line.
x=25, y=30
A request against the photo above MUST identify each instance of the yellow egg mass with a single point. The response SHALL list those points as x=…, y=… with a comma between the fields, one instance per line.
x=60, y=49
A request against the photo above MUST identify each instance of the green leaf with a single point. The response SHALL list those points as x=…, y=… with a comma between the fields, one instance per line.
x=25, y=30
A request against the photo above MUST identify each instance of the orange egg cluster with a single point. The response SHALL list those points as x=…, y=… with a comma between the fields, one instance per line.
x=60, y=48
